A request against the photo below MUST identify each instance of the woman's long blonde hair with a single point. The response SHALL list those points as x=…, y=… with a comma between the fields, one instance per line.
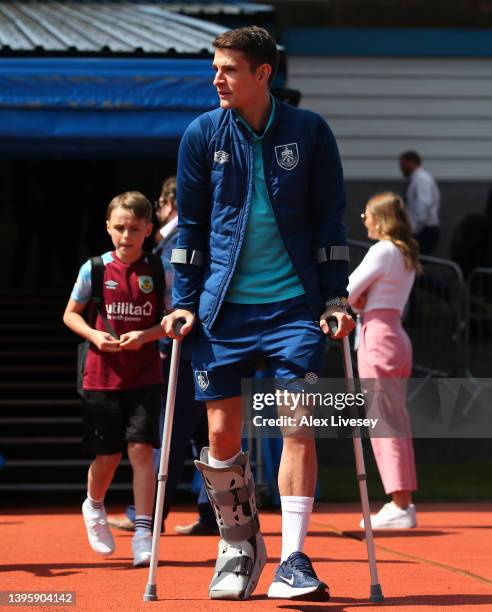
x=392, y=223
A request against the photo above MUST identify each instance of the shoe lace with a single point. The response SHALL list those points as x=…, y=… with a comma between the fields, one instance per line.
x=99, y=526
x=302, y=564
x=389, y=509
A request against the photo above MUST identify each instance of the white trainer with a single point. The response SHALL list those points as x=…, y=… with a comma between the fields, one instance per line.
x=142, y=548
x=392, y=516
x=98, y=531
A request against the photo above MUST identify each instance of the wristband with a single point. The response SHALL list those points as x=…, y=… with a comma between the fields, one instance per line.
x=338, y=302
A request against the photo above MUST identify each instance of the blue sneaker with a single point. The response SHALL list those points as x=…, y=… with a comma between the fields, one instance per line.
x=295, y=578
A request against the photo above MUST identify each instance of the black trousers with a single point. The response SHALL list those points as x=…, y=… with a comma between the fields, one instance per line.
x=428, y=239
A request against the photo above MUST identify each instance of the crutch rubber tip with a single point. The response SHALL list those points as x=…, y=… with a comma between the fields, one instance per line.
x=150, y=593
x=376, y=593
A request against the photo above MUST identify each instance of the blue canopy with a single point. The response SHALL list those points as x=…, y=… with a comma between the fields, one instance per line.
x=85, y=107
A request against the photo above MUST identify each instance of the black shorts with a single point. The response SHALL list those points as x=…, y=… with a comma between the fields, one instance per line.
x=111, y=419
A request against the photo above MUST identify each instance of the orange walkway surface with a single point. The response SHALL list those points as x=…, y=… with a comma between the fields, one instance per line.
x=444, y=564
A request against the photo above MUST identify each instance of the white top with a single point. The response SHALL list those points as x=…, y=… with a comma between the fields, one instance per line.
x=383, y=276
x=169, y=227
x=423, y=200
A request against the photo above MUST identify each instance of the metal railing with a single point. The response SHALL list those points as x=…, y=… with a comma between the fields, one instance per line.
x=479, y=324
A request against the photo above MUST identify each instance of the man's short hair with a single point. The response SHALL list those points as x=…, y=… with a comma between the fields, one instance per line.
x=135, y=202
x=256, y=43
x=168, y=191
x=411, y=156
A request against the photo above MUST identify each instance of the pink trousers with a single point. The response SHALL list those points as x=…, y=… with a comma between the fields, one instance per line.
x=385, y=351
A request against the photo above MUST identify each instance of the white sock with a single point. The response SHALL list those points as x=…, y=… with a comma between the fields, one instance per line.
x=212, y=462
x=296, y=512
x=95, y=504
x=143, y=524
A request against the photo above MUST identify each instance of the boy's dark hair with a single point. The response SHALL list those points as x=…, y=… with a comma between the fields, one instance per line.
x=135, y=202
x=256, y=43
x=411, y=156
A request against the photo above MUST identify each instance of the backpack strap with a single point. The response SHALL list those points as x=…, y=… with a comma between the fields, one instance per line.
x=157, y=270
x=97, y=285
x=97, y=281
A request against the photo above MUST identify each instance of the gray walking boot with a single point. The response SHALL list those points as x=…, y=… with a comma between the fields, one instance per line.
x=241, y=553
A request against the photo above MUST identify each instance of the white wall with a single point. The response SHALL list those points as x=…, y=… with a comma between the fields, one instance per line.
x=379, y=107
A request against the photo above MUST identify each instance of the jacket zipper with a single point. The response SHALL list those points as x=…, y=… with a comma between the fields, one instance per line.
x=243, y=218
x=268, y=186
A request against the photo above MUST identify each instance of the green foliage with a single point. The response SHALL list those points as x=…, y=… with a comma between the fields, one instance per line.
x=440, y=482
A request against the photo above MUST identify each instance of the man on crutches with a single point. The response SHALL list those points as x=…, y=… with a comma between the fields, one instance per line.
x=261, y=264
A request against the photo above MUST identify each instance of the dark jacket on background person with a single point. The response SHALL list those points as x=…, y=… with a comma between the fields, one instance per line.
x=471, y=243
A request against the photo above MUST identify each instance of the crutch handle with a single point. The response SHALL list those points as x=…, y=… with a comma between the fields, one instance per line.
x=332, y=324
x=177, y=326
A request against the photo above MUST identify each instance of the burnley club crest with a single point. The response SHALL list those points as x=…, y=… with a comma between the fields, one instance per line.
x=201, y=377
x=287, y=156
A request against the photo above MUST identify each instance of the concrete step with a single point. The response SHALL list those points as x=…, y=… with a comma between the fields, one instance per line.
x=39, y=440
x=4, y=421
x=24, y=326
x=57, y=486
x=40, y=403
x=39, y=358
x=7, y=386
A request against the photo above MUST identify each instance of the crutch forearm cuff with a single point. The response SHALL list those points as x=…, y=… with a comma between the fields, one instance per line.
x=332, y=253
x=187, y=256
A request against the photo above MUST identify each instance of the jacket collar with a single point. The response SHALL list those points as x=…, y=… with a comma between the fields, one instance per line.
x=246, y=130
x=250, y=130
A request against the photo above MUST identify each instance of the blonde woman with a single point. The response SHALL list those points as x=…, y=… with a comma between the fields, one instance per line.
x=379, y=288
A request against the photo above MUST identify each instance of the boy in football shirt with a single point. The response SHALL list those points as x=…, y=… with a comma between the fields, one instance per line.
x=122, y=380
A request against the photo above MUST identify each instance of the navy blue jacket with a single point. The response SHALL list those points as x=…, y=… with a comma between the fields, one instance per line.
x=304, y=178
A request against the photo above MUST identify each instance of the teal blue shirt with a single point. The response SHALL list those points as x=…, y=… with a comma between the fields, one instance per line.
x=264, y=271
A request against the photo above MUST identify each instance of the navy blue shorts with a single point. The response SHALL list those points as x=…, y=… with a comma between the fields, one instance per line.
x=282, y=335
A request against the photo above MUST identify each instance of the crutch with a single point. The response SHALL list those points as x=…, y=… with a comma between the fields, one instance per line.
x=376, y=591
x=151, y=588
x=262, y=489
